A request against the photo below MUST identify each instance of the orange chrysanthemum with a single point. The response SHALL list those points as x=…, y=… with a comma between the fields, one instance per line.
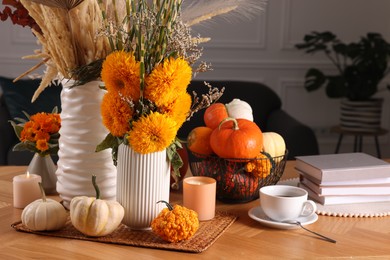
x=178, y=109
x=167, y=81
x=116, y=114
x=152, y=133
x=121, y=74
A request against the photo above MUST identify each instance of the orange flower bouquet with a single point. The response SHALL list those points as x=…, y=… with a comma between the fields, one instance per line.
x=146, y=77
x=158, y=114
x=38, y=134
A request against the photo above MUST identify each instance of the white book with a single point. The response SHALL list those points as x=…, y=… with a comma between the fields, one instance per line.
x=344, y=199
x=373, y=181
x=366, y=189
x=343, y=167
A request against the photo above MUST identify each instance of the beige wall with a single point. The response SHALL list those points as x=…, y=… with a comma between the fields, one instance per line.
x=263, y=50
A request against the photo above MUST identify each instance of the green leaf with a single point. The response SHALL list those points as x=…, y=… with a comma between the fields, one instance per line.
x=27, y=115
x=174, y=157
x=336, y=87
x=108, y=142
x=314, y=79
x=17, y=128
x=25, y=146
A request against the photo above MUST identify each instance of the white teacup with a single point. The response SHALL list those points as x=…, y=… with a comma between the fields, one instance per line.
x=283, y=202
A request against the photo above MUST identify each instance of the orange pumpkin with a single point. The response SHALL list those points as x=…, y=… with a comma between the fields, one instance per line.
x=237, y=139
x=198, y=140
x=214, y=114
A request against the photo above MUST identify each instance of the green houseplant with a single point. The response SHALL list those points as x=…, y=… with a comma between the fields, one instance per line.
x=361, y=65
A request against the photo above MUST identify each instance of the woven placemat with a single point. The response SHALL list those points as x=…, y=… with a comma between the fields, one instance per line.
x=207, y=234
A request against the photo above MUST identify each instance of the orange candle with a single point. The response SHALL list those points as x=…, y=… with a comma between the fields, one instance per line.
x=26, y=189
x=199, y=195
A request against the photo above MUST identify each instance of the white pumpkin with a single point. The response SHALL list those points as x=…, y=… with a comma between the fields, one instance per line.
x=93, y=216
x=273, y=143
x=44, y=214
x=239, y=109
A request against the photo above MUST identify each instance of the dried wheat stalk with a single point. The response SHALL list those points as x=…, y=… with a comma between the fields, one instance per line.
x=69, y=35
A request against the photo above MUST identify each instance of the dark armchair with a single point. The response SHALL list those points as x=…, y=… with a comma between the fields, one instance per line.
x=267, y=113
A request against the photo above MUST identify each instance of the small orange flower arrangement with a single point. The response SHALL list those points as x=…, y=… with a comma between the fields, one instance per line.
x=38, y=134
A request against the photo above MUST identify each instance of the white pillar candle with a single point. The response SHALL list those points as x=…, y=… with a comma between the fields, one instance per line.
x=26, y=189
x=199, y=195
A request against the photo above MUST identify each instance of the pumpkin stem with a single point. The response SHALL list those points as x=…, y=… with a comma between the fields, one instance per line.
x=42, y=192
x=96, y=187
x=169, y=206
x=235, y=123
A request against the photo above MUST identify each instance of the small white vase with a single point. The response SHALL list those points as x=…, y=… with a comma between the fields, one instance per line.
x=142, y=181
x=44, y=167
x=81, y=131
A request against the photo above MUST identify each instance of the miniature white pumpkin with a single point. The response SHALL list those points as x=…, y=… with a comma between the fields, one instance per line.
x=273, y=143
x=239, y=109
x=93, y=216
x=44, y=214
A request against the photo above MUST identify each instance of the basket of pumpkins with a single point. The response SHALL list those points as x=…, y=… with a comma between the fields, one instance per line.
x=232, y=149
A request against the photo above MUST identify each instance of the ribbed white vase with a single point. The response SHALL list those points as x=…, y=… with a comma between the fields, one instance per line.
x=142, y=181
x=81, y=131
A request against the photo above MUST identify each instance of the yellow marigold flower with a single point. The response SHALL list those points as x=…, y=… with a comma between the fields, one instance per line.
x=42, y=145
x=116, y=114
x=54, y=124
x=28, y=132
x=121, y=74
x=49, y=123
x=167, y=81
x=152, y=133
x=178, y=109
x=42, y=135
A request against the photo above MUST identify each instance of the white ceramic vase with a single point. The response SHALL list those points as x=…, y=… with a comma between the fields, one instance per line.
x=44, y=167
x=142, y=181
x=81, y=131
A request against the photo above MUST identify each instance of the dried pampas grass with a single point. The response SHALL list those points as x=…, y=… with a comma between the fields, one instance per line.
x=200, y=11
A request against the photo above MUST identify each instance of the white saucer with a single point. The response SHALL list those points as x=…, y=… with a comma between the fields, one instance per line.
x=257, y=214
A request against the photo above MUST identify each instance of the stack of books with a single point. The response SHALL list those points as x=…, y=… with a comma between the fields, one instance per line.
x=344, y=178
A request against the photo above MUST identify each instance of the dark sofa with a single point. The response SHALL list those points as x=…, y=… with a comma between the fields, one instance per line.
x=266, y=105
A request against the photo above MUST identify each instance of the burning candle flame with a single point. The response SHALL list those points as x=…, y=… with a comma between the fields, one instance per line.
x=28, y=174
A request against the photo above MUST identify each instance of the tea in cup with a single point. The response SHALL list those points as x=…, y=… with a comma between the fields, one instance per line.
x=283, y=202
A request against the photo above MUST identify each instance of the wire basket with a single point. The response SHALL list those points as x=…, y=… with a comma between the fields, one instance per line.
x=237, y=180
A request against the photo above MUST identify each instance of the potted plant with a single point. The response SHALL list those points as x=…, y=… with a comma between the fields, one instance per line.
x=361, y=67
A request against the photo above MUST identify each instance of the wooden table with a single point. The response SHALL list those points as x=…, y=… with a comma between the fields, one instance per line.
x=245, y=239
